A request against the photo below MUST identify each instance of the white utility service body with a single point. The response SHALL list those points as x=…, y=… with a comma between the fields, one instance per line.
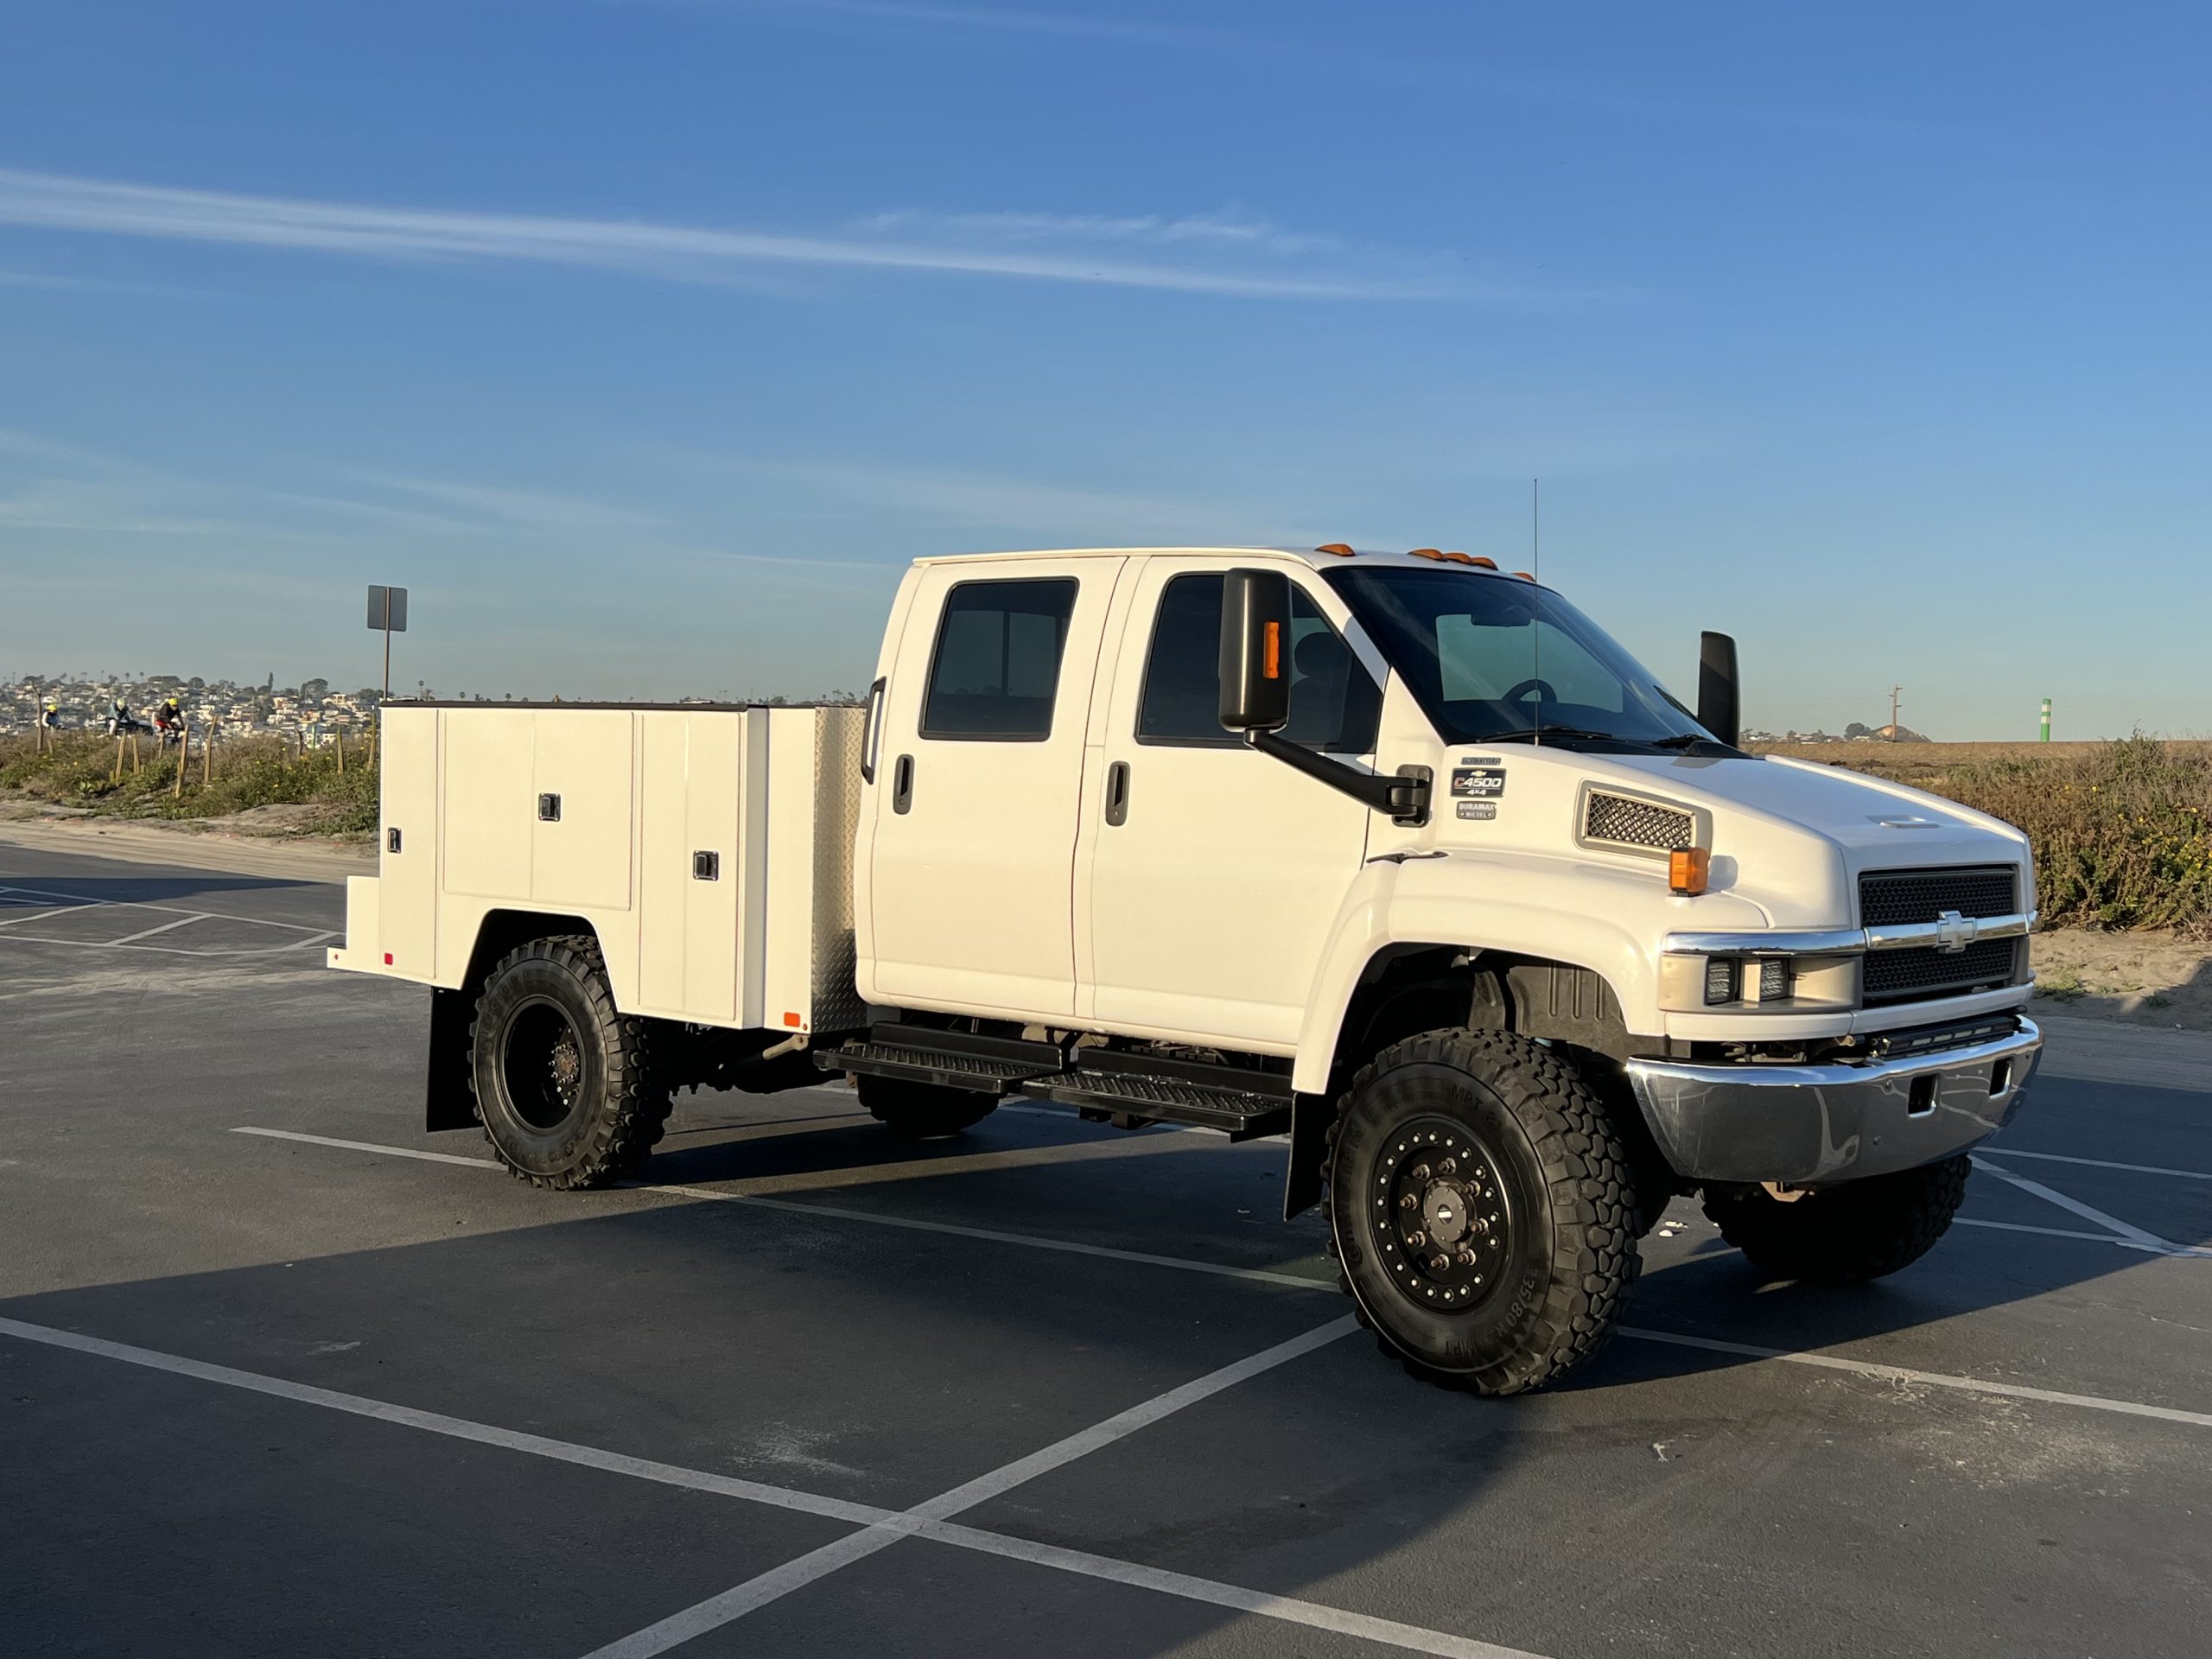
x=1040, y=862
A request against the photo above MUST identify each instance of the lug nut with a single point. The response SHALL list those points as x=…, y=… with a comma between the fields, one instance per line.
x=1465, y=1258
x=1449, y=1165
x=1415, y=1239
x=1408, y=1202
x=1419, y=1171
x=1439, y=1263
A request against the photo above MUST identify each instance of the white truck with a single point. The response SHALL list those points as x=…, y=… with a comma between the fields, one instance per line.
x=1395, y=854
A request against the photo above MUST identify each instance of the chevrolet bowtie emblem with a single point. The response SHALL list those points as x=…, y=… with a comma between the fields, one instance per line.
x=1954, y=933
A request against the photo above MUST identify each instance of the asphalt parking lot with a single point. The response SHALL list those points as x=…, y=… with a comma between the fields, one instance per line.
x=282, y=1374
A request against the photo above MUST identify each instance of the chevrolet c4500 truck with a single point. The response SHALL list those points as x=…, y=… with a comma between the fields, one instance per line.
x=1397, y=855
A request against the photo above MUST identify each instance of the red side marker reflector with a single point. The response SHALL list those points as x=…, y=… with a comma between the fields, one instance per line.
x=387, y=958
x=792, y=1020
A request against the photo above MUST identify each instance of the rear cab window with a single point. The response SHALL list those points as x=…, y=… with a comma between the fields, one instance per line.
x=995, y=670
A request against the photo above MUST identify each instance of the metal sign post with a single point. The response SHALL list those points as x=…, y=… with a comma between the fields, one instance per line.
x=388, y=611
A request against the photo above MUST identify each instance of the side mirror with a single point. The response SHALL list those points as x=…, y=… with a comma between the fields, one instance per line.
x=1255, y=650
x=1717, y=707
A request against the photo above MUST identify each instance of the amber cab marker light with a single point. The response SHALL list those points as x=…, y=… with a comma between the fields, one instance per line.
x=1435, y=553
x=1336, y=548
x=1482, y=560
x=1271, y=658
x=1689, y=868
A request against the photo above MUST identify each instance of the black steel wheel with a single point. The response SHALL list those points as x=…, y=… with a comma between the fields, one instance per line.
x=1482, y=1209
x=564, y=1082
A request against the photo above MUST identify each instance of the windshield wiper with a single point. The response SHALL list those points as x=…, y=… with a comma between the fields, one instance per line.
x=1688, y=740
x=1530, y=734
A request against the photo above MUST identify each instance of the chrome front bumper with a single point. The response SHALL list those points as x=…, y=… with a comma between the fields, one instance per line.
x=1802, y=1124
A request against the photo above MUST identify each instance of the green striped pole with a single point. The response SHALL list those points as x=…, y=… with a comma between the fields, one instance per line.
x=2046, y=720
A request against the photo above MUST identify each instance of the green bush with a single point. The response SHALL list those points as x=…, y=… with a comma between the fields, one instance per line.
x=2122, y=832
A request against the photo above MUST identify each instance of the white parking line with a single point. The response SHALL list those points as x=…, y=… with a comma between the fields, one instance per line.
x=735, y=1603
x=2104, y=1163
x=1285, y=1609
x=2050, y=1232
x=133, y=939
x=1299, y=1282
x=45, y=900
x=2134, y=1235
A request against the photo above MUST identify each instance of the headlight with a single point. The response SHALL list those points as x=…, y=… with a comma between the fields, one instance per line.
x=1699, y=982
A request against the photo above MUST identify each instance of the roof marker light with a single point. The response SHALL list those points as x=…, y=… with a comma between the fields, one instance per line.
x=1486, y=564
x=1338, y=548
x=1426, y=553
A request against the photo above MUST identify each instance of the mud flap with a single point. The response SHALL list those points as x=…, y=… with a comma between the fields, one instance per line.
x=448, y=1101
x=1310, y=1116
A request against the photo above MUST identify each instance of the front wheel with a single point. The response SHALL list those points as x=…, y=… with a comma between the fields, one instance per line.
x=1846, y=1234
x=1483, y=1208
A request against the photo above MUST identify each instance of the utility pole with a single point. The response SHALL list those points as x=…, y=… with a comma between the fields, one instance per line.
x=1895, y=691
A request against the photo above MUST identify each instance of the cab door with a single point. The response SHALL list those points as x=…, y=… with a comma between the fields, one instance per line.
x=1214, y=873
x=978, y=777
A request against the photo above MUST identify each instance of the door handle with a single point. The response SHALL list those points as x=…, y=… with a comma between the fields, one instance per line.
x=902, y=784
x=1117, y=792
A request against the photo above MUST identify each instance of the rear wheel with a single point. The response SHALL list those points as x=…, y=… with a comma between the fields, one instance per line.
x=921, y=1111
x=1482, y=1209
x=1847, y=1233
x=563, y=1082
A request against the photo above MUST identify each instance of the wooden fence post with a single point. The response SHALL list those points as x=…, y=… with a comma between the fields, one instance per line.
x=116, y=776
x=134, y=754
x=183, y=758
x=208, y=758
x=341, y=751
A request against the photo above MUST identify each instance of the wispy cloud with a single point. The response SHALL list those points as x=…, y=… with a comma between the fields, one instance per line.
x=1405, y=61
x=1225, y=254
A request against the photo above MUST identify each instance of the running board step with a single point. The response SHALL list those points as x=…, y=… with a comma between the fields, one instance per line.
x=949, y=1060
x=1130, y=1100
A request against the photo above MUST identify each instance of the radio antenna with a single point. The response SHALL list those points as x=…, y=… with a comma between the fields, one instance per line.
x=1535, y=620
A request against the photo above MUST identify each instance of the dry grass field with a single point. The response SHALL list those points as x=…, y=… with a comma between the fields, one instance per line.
x=2122, y=831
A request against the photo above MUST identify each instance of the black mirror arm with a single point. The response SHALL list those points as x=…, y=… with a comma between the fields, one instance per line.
x=1405, y=797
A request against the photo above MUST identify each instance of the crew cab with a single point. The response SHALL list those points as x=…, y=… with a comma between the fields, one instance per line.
x=1397, y=855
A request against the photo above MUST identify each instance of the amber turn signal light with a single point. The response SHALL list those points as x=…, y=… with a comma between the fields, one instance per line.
x=1688, y=869
x=1271, y=661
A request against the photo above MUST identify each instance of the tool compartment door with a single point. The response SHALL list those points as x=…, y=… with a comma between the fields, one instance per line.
x=581, y=807
x=407, y=879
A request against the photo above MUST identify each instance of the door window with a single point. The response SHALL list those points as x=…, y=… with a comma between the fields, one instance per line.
x=996, y=670
x=1334, y=703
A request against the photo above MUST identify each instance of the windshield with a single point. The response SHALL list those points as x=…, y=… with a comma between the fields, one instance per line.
x=1490, y=658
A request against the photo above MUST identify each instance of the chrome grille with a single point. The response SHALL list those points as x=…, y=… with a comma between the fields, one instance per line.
x=1626, y=821
x=1896, y=898
x=1903, y=976
x=1904, y=898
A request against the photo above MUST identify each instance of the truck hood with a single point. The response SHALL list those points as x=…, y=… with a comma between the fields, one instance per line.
x=1765, y=809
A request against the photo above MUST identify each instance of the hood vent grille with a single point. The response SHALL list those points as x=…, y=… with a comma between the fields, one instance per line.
x=1611, y=820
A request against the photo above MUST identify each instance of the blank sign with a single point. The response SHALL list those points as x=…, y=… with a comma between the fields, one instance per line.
x=388, y=608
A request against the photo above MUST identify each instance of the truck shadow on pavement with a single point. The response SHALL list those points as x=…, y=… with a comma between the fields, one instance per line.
x=887, y=1366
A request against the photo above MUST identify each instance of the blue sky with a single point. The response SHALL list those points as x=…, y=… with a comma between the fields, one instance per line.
x=645, y=342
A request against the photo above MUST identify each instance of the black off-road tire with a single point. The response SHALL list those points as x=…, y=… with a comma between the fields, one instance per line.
x=1544, y=1175
x=922, y=1111
x=1845, y=1233
x=565, y=1084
